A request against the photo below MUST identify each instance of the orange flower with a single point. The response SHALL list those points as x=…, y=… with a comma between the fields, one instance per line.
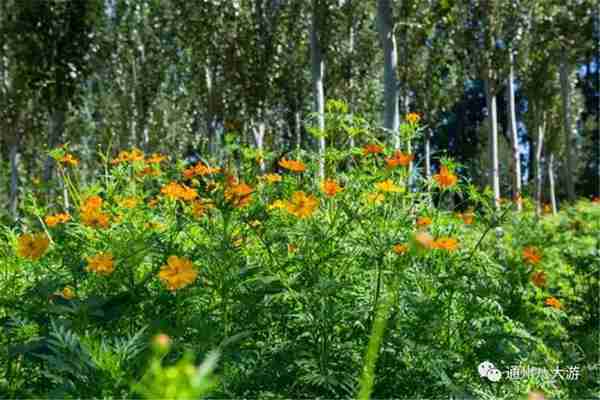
x=152, y=202
x=67, y=293
x=149, y=171
x=424, y=240
x=399, y=158
x=553, y=302
x=292, y=165
x=92, y=203
x=423, y=222
x=467, y=217
x=301, y=205
x=156, y=158
x=32, y=246
x=94, y=218
x=413, y=118
x=272, y=178
x=69, y=160
x=531, y=255
x=128, y=156
x=388, y=186
x=445, y=178
x=200, y=169
x=178, y=273
x=53, y=220
x=446, y=243
x=372, y=149
x=176, y=191
x=330, y=188
x=400, y=249
x=239, y=194
x=101, y=263
x=539, y=279
x=292, y=248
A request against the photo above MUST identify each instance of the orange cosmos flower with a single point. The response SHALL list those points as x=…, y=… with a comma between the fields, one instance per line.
x=400, y=249
x=176, y=191
x=67, y=293
x=178, y=273
x=200, y=169
x=539, y=279
x=330, y=187
x=239, y=194
x=424, y=240
x=446, y=243
x=68, y=160
x=156, y=158
x=553, y=302
x=101, y=263
x=423, y=222
x=32, y=246
x=53, y=220
x=532, y=255
x=372, y=149
x=94, y=218
x=388, y=186
x=292, y=165
x=467, y=217
x=301, y=205
x=445, y=179
x=92, y=203
x=413, y=118
x=128, y=156
x=399, y=158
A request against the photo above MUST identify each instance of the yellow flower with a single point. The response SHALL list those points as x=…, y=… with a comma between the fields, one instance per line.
x=388, y=186
x=375, y=198
x=156, y=158
x=129, y=202
x=330, y=188
x=67, y=293
x=413, y=118
x=128, y=156
x=292, y=165
x=32, y=246
x=101, y=263
x=301, y=205
x=445, y=178
x=178, y=273
x=272, y=178
x=55, y=219
x=277, y=204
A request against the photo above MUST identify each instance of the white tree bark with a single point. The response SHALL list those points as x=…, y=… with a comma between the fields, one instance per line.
x=259, y=134
x=385, y=27
x=565, y=89
x=551, y=182
x=491, y=100
x=538, y=167
x=514, y=138
x=318, y=71
x=428, y=135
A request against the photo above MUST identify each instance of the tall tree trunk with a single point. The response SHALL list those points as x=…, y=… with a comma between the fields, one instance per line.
x=258, y=129
x=55, y=133
x=385, y=27
x=538, y=167
x=565, y=89
x=514, y=138
x=491, y=100
x=210, y=109
x=318, y=71
x=298, y=129
x=14, y=176
x=551, y=182
x=428, y=135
